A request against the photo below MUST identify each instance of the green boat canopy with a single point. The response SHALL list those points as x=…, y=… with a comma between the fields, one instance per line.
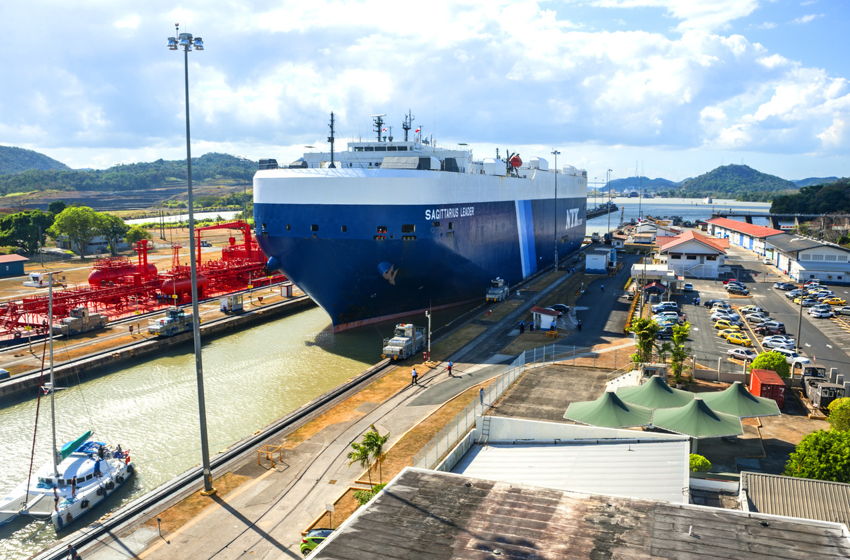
x=655, y=393
x=608, y=411
x=738, y=401
x=72, y=446
x=698, y=420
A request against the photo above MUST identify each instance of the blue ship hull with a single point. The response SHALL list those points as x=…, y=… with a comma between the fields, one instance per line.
x=369, y=263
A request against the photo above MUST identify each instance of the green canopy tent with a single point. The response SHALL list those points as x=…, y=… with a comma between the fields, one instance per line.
x=738, y=401
x=655, y=393
x=698, y=420
x=608, y=411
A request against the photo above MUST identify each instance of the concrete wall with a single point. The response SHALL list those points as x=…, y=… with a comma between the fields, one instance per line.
x=596, y=263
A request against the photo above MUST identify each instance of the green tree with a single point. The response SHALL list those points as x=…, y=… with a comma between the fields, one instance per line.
x=645, y=331
x=679, y=353
x=822, y=455
x=360, y=453
x=26, y=230
x=112, y=228
x=79, y=224
x=375, y=442
x=773, y=361
x=56, y=207
x=698, y=463
x=363, y=496
x=839, y=414
x=136, y=233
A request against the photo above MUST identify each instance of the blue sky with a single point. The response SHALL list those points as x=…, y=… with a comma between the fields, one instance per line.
x=673, y=88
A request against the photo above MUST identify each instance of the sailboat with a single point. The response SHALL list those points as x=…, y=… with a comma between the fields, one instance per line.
x=80, y=475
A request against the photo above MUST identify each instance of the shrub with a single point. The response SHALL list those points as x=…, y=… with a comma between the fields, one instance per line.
x=699, y=463
x=839, y=414
x=822, y=455
x=773, y=361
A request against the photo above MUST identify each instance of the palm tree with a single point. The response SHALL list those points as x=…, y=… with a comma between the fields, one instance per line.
x=361, y=454
x=645, y=331
x=375, y=442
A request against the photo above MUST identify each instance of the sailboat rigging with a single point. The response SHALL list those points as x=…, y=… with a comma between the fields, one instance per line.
x=80, y=474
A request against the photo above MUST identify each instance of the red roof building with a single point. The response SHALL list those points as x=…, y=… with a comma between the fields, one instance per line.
x=692, y=254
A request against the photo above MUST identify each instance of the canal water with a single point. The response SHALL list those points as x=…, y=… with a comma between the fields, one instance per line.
x=252, y=378
x=688, y=209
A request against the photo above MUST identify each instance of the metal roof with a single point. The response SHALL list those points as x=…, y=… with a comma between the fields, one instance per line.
x=788, y=243
x=743, y=227
x=12, y=258
x=647, y=469
x=440, y=516
x=796, y=497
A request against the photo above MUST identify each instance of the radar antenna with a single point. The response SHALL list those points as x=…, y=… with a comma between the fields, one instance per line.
x=408, y=123
x=379, y=124
x=331, y=140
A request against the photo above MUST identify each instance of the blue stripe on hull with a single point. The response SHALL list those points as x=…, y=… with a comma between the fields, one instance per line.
x=331, y=252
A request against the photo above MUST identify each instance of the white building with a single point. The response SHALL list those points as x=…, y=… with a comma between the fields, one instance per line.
x=742, y=234
x=694, y=255
x=805, y=259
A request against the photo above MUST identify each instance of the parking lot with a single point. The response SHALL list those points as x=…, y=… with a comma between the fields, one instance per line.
x=824, y=341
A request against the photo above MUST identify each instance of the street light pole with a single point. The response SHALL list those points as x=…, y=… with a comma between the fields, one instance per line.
x=187, y=42
x=608, y=186
x=556, y=153
x=799, y=322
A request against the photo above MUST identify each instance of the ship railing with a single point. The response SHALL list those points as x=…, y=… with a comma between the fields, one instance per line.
x=449, y=444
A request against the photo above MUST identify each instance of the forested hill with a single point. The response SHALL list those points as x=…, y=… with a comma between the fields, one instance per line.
x=816, y=199
x=640, y=183
x=739, y=182
x=814, y=181
x=131, y=176
x=17, y=160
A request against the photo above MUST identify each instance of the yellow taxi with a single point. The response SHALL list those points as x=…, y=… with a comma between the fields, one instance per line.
x=722, y=333
x=725, y=324
x=738, y=338
x=835, y=301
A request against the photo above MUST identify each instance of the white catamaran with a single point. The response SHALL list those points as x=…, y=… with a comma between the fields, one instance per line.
x=79, y=476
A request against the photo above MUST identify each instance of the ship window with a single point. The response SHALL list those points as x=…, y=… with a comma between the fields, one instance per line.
x=370, y=149
x=391, y=148
x=380, y=148
x=314, y=227
x=408, y=228
x=435, y=224
x=288, y=227
x=408, y=237
x=382, y=229
x=379, y=237
x=343, y=229
x=451, y=225
x=358, y=148
x=402, y=148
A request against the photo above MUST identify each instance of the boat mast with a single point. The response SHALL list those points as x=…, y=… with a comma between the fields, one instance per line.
x=407, y=124
x=54, y=453
x=379, y=125
x=331, y=140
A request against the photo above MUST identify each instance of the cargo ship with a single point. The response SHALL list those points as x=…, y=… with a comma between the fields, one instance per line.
x=392, y=227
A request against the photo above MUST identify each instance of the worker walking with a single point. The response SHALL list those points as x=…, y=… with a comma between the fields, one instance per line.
x=414, y=377
x=449, y=367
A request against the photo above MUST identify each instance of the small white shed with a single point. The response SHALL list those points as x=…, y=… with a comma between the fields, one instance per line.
x=544, y=319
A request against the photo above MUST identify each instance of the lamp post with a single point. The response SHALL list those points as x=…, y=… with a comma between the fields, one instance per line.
x=556, y=153
x=187, y=42
x=799, y=321
x=608, y=186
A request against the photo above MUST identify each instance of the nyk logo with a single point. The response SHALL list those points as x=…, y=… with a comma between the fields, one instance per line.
x=573, y=218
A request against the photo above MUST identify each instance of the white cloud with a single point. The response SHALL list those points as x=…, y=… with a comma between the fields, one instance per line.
x=131, y=21
x=766, y=25
x=808, y=18
x=702, y=15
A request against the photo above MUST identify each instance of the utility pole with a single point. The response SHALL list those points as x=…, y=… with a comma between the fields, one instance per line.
x=555, y=223
x=608, y=186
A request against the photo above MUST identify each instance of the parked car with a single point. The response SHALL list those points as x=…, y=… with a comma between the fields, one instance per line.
x=713, y=302
x=756, y=319
x=665, y=306
x=779, y=337
x=795, y=293
x=766, y=261
x=792, y=357
x=665, y=332
x=785, y=286
x=721, y=305
x=821, y=313
x=735, y=285
x=845, y=310
x=775, y=344
x=768, y=330
x=805, y=302
x=688, y=287
x=738, y=291
x=561, y=308
x=723, y=333
x=753, y=309
x=743, y=354
x=834, y=301
x=738, y=338
x=313, y=538
x=718, y=314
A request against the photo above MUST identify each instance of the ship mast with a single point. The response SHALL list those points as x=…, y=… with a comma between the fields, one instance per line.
x=54, y=452
x=331, y=140
x=407, y=124
x=379, y=125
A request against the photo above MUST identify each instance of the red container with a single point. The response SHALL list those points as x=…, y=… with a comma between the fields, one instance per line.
x=767, y=383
